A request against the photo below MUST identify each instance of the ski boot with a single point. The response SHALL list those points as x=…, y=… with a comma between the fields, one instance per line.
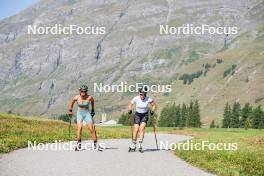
x=140, y=149
x=79, y=146
x=132, y=148
x=97, y=147
x=100, y=148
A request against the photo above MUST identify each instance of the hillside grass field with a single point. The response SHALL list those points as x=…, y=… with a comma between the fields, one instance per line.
x=15, y=131
x=248, y=159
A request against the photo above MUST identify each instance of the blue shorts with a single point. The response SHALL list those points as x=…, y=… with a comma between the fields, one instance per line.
x=84, y=115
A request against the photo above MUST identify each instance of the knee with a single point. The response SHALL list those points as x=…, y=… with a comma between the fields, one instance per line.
x=79, y=128
x=141, y=130
x=136, y=129
x=91, y=130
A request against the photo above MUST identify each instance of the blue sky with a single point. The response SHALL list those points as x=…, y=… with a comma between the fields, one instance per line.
x=12, y=7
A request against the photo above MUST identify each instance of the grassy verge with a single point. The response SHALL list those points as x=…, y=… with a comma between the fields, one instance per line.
x=16, y=131
x=247, y=160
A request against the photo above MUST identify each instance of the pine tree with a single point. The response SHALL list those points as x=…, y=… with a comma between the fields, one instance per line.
x=184, y=115
x=190, y=121
x=177, y=115
x=163, y=120
x=235, y=117
x=227, y=116
x=196, y=114
x=212, y=125
x=171, y=116
x=245, y=114
x=258, y=118
x=167, y=116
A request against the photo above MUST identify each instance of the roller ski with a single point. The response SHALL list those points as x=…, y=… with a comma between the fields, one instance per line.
x=98, y=147
x=132, y=148
x=140, y=149
x=78, y=147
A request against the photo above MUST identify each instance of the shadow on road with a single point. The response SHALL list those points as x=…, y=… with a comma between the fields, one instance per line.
x=151, y=150
x=111, y=148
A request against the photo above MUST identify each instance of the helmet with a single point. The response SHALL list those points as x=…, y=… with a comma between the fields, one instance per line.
x=83, y=88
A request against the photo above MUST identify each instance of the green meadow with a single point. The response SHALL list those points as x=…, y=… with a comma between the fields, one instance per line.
x=248, y=159
x=15, y=131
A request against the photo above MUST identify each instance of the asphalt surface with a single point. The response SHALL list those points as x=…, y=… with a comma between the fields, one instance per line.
x=115, y=160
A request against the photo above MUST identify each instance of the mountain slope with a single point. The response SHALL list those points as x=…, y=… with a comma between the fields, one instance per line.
x=40, y=73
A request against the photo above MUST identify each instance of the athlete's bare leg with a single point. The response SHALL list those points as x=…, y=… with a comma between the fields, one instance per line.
x=92, y=131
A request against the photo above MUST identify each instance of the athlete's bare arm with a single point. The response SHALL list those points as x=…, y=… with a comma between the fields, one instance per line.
x=130, y=106
x=92, y=101
x=153, y=105
x=71, y=104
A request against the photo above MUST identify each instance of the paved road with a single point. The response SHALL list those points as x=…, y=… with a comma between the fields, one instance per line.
x=114, y=161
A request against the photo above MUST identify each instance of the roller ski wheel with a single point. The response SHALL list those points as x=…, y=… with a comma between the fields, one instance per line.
x=131, y=149
x=100, y=149
x=140, y=149
x=97, y=147
x=78, y=147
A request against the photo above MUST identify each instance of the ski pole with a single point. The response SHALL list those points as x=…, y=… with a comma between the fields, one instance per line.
x=94, y=126
x=154, y=130
x=69, y=129
x=96, y=134
x=130, y=120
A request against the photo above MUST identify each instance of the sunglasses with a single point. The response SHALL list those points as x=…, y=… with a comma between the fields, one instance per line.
x=83, y=91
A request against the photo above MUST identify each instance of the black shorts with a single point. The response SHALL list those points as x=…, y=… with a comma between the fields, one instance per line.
x=141, y=117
